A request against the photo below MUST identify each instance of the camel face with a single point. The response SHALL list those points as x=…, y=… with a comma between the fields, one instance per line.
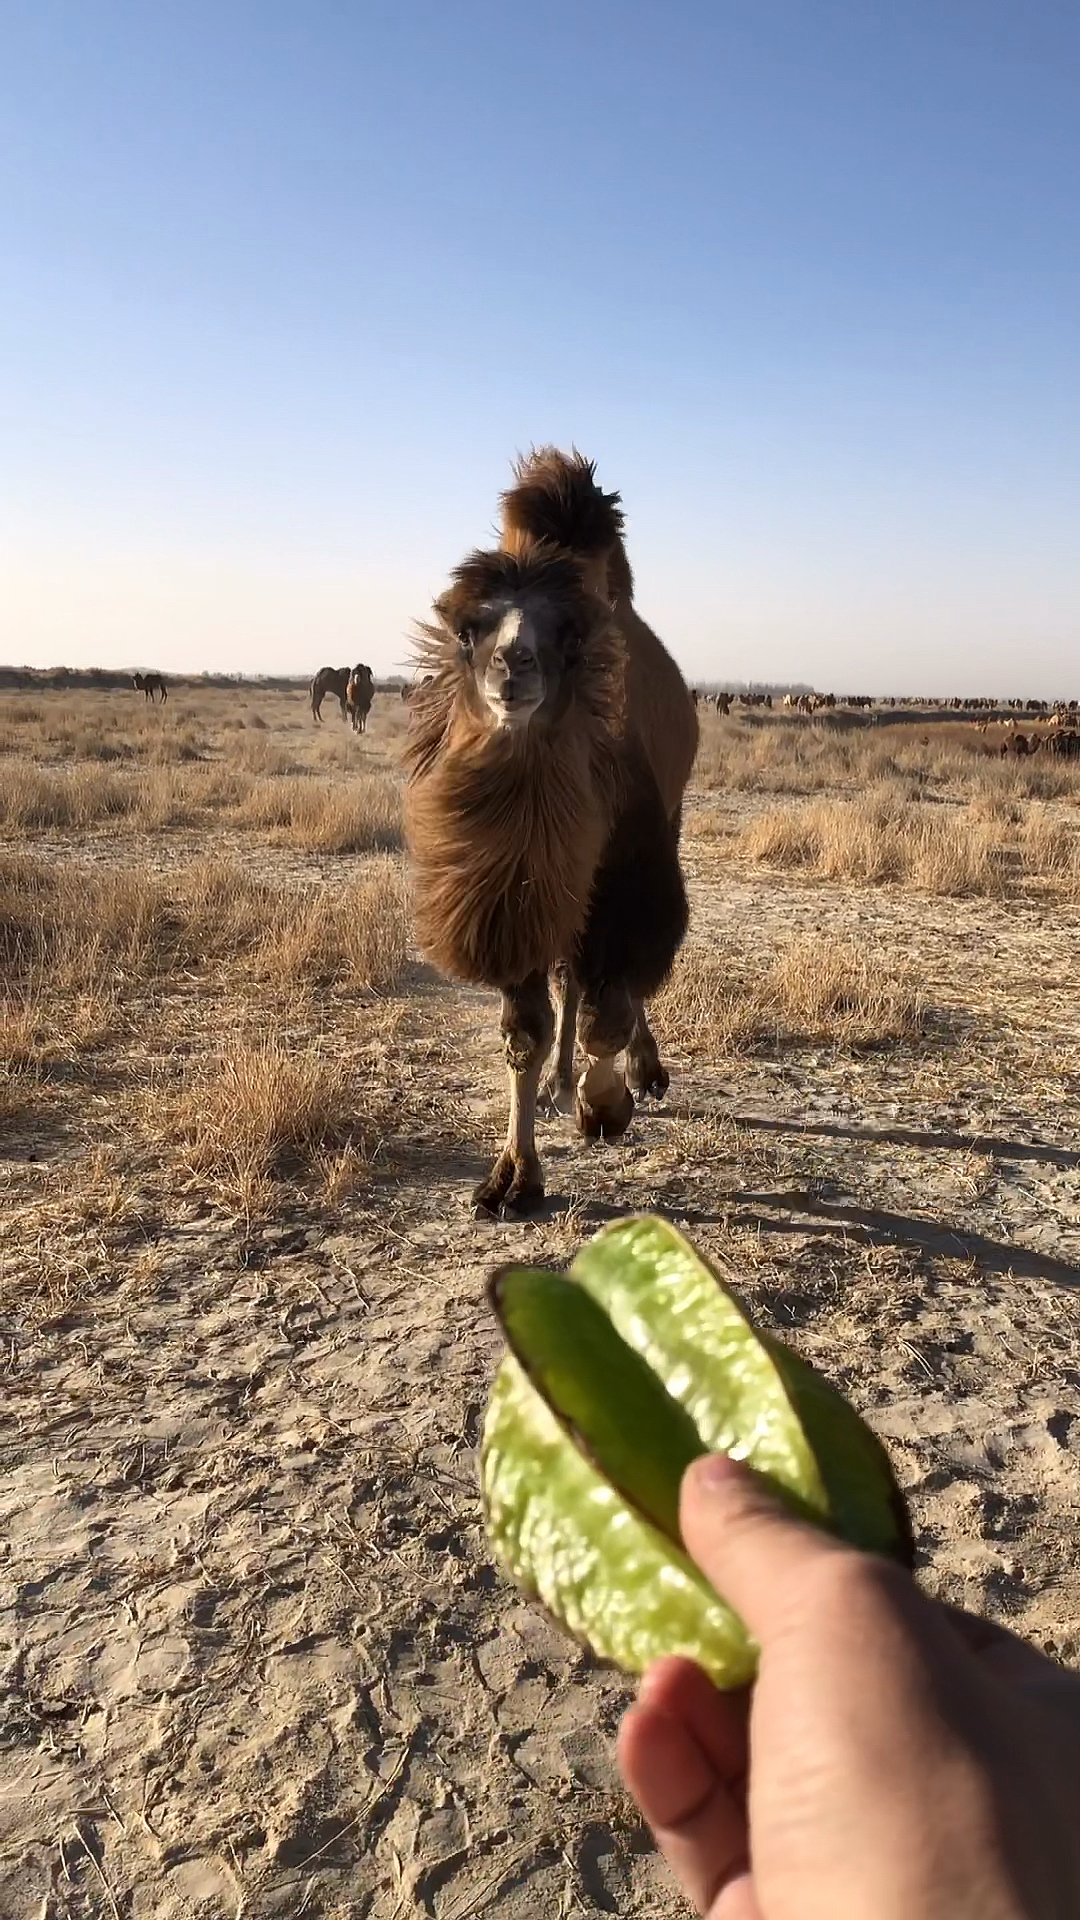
x=517, y=659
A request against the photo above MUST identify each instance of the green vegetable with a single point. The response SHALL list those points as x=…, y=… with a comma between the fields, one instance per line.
x=618, y=1377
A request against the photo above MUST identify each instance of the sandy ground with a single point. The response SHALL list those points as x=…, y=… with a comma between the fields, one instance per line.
x=255, y=1658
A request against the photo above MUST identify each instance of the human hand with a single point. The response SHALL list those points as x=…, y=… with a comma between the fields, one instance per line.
x=895, y=1759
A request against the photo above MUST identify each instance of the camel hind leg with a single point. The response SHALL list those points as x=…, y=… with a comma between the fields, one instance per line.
x=637, y=920
x=646, y=1071
x=558, y=1091
x=605, y=1104
x=515, y=1184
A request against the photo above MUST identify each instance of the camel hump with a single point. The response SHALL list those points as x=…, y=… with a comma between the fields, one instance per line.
x=555, y=499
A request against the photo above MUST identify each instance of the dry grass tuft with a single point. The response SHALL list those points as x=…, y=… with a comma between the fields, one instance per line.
x=818, y=990
x=881, y=837
x=263, y=1115
x=86, y=933
x=363, y=816
x=357, y=937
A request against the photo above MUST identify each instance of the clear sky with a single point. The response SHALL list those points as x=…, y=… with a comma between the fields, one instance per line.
x=284, y=286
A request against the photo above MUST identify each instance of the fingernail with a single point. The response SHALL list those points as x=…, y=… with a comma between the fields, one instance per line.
x=715, y=1472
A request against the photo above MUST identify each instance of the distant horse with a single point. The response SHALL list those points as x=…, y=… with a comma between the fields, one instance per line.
x=333, y=680
x=149, y=685
x=359, y=695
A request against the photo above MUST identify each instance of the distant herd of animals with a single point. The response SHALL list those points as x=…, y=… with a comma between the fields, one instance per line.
x=354, y=690
x=1056, y=712
x=352, y=687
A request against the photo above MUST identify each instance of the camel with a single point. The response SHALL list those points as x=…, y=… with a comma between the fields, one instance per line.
x=150, y=684
x=359, y=694
x=333, y=680
x=547, y=757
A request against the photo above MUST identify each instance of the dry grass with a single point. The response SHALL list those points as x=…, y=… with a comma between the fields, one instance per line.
x=990, y=846
x=818, y=989
x=357, y=938
x=882, y=837
x=363, y=816
x=782, y=754
x=358, y=816
x=83, y=933
x=261, y=1115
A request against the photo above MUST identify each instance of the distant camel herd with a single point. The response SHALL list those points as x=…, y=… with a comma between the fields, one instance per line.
x=352, y=687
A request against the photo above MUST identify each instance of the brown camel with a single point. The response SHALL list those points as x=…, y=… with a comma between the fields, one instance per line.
x=547, y=758
x=333, y=680
x=359, y=694
x=150, y=685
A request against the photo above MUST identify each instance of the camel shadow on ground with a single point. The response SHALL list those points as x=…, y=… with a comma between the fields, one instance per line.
x=866, y=1226
x=950, y=1142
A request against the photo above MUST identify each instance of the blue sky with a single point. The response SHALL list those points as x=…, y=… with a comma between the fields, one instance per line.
x=285, y=287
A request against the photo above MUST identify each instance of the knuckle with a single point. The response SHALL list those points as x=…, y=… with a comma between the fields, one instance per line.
x=856, y=1584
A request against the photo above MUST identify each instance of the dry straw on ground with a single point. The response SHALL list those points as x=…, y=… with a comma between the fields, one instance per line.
x=262, y=1114
x=816, y=990
x=886, y=837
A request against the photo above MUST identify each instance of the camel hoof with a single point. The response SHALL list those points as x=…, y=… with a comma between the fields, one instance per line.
x=523, y=1199
x=512, y=1189
x=607, y=1122
x=649, y=1078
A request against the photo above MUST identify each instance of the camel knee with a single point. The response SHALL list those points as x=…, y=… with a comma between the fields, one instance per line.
x=606, y=1022
x=528, y=1024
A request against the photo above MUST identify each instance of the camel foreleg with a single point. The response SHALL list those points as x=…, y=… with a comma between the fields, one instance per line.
x=515, y=1184
x=605, y=1103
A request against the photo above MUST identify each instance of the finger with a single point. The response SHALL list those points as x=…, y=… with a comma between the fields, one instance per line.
x=717, y=1721
x=696, y=1823
x=752, y=1550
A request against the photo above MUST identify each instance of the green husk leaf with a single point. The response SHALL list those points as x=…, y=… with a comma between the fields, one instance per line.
x=563, y=1534
x=748, y=1394
x=599, y=1389
x=623, y=1374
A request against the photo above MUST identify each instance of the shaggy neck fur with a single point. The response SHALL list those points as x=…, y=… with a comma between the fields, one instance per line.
x=506, y=830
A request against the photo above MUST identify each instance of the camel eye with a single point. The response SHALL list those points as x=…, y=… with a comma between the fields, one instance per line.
x=467, y=641
x=569, y=643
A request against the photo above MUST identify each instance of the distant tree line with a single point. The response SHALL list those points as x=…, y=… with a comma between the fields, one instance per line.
x=103, y=679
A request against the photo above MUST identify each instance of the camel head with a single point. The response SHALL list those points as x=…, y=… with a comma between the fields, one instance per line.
x=520, y=625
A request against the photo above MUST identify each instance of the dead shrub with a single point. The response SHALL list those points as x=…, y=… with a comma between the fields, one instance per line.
x=1049, y=844
x=74, y=941
x=357, y=937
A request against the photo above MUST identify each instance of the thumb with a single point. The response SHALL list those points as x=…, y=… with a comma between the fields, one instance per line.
x=753, y=1551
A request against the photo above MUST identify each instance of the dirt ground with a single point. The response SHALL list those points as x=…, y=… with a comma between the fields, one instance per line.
x=254, y=1657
